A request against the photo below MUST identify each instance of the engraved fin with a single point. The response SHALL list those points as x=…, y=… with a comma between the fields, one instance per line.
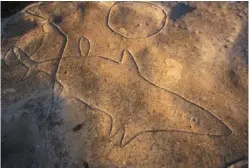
x=59, y=95
x=84, y=46
x=31, y=72
x=129, y=61
x=117, y=138
x=24, y=59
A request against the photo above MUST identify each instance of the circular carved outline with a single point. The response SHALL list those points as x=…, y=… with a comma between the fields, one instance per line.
x=165, y=20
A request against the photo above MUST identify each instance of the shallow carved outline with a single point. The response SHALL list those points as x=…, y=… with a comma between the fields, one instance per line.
x=30, y=64
x=121, y=144
x=111, y=125
x=79, y=44
x=165, y=20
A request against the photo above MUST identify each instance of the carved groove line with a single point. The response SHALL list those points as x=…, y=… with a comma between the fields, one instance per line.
x=185, y=99
x=108, y=59
x=33, y=63
x=61, y=55
x=155, y=131
x=111, y=125
x=53, y=76
x=21, y=59
x=38, y=49
x=79, y=45
x=121, y=144
x=164, y=23
x=14, y=45
x=93, y=108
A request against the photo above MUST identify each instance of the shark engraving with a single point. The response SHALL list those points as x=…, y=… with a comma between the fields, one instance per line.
x=134, y=103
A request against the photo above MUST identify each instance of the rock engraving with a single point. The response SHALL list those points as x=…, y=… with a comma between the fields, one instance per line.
x=136, y=19
x=119, y=90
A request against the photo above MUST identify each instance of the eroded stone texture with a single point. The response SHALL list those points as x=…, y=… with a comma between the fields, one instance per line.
x=125, y=84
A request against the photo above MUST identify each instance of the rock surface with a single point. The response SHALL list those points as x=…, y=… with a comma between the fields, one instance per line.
x=125, y=84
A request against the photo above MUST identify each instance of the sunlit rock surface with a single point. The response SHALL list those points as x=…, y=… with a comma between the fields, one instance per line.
x=125, y=84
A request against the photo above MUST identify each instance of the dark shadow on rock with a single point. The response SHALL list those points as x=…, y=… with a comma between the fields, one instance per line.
x=238, y=59
x=180, y=10
x=24, y=123
x=44, y=122
x=19, y=28
x=240, y=47
x=9, y=8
